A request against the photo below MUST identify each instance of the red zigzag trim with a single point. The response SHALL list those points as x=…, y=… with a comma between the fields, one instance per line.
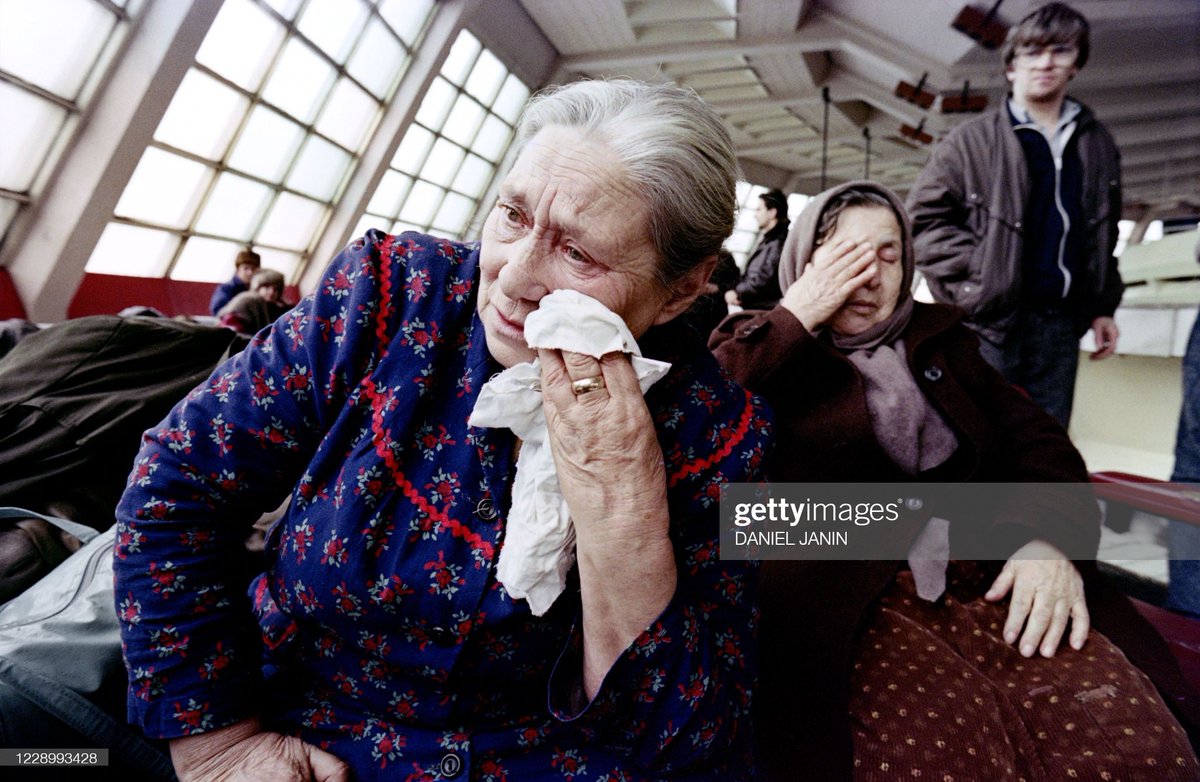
x=383, y=436
x=691, y=468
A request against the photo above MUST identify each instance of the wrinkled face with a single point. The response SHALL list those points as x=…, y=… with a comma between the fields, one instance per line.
x=566, y=218
x=245, y=271
x=1039, y=73
x=764, y=216
x=875, y=301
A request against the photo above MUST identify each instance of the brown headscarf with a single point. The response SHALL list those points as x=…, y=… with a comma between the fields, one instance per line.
x=909, y=429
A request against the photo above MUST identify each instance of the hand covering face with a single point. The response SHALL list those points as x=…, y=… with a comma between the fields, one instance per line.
x=539, y=539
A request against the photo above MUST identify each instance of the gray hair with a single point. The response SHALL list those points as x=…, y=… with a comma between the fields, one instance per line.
x=675, y=149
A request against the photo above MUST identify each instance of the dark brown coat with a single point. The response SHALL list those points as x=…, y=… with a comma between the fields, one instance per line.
x=811, y=610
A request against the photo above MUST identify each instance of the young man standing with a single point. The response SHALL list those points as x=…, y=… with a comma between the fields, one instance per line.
x=1015, y=217
x=759, y=287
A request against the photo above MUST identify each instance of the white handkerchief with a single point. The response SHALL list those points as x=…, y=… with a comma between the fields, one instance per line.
x=539, y=539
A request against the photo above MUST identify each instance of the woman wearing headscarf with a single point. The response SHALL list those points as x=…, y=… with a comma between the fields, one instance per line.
x=879, y=669
x=384, y=640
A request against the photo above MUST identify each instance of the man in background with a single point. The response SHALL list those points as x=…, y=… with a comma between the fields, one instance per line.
x=246, y=264
x=759, y=286
x=1015, y=216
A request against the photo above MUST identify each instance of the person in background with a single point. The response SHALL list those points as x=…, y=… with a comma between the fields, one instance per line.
x=976, y=668
x=245, y=265
x=1015, y=217
x=254, y=309
x=379, y=642
x=1183, y=590
x=759, y=286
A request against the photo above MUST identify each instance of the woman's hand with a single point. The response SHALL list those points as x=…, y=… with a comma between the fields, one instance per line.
x=835, y=272
x=242, y=752
x=610, y=470
x=1047, y=591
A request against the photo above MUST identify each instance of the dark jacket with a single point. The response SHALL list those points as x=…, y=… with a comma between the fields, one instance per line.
x=968, y=206
x=225, y=293
x=75, y=398
x=824, y=434
x=759, y=288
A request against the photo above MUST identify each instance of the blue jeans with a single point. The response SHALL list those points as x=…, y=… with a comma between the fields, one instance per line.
x=1184, y=539
x=1041, y=356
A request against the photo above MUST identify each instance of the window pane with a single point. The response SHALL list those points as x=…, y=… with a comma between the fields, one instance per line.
x=132, y=251
x=348, y=115
x=267, y=144
x=410, y=156
x=53, y=43
x=486, y=77
x=390, y=193
x=202, y=116
x=378, y=61
x=164, y=189
x=319, y=169
x=26, y=133
x=453, y=215
x=492, y=139
x=234, y=207
x=422, y=202
x=299, y=81
x=436, y=104
x=241, y=43
x=443, y=162
x=333, y=25
x=406, y=17
x=292, y=222
x=283, y=262
x=206, y=260
x=461, y=58
x=400, y=227
x=464, y=120
x=474, y=176
x=511, y=99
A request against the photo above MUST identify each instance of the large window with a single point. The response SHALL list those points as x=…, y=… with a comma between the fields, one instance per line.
x=450, y=154
x=53, y=53
x=261, y=137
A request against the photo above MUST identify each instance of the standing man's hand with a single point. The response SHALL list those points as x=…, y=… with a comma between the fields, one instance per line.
x=731, y=297
x=1106, y=333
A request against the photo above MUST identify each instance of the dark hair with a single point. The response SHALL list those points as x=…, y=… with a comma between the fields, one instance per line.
x=1050, y=24
x=248, y=257
x=775, y=199
x=828, y=221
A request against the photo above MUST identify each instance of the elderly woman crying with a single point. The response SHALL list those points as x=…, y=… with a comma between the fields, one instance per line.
x=1022, y=668
x=409, y=623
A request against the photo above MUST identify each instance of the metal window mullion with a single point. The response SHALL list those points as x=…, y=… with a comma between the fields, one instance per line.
x=51, y=97
x=184, y=233
x=294, y=31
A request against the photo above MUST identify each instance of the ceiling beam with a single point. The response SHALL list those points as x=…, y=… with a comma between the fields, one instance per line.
x=1153, y=132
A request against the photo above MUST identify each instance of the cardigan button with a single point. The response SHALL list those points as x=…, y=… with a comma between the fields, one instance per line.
x=486, y=509
x=933, y=374
x=443, y=636
x=451, y=765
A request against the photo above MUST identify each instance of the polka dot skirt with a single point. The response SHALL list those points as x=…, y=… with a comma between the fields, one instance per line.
x=936, y=694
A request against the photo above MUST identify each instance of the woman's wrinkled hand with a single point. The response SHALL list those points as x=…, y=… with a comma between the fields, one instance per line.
x=242, y=752
x=1047, y=592
x=608, y=460
x=827, y=282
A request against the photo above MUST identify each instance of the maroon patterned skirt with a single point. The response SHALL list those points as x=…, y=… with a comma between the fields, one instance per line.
x=936, y=694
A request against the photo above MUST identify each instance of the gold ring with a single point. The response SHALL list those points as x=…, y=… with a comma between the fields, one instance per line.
x=587, y=385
